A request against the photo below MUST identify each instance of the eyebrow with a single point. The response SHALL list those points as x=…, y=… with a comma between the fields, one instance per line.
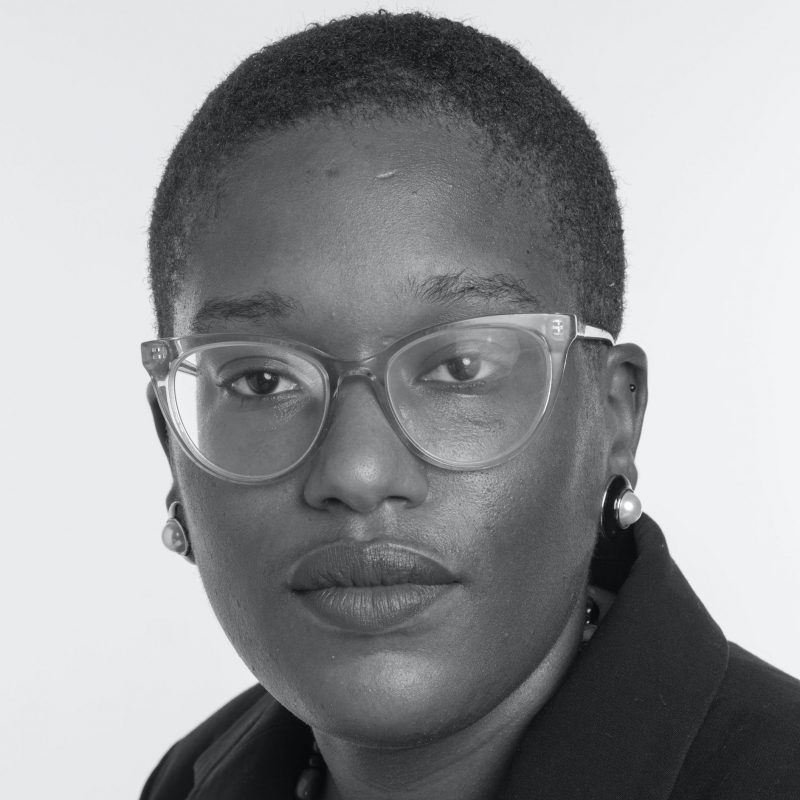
x=251, y=306
x=447, y=288
x=454, y=287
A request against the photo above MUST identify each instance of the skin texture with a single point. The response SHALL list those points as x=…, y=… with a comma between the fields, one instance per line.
x=338, y=216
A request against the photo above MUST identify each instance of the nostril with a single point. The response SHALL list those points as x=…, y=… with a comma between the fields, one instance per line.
x=333, y=503
x=362, y=504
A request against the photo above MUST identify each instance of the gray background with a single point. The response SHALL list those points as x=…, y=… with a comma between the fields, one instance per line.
x=111, y=651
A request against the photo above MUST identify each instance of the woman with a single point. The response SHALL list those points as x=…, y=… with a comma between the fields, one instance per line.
x=387, y=263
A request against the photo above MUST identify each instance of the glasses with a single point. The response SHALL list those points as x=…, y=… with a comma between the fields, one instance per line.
x=464, y=395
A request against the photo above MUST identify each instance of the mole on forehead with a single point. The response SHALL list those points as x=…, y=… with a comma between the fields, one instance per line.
x=381, y=148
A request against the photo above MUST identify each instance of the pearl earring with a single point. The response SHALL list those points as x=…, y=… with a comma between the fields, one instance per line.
x=174, y=535
x=621, y=507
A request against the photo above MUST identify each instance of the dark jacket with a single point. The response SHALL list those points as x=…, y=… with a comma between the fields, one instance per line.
x=658, y=705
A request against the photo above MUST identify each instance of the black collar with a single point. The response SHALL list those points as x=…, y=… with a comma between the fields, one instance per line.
x=618, y=727
x=623, y=720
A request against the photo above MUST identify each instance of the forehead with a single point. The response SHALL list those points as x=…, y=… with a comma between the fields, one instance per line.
x=352, y=229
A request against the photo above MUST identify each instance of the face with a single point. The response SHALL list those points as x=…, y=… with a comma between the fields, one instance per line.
x=340, y=220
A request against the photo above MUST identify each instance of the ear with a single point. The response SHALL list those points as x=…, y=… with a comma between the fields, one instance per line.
x=163, y=433
x=625, y=389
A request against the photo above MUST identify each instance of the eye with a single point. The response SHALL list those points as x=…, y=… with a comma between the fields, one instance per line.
x=463, y=369
x=261, y=383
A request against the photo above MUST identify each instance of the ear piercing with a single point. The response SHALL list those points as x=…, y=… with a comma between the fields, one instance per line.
x=621, y=507
x=174, y=534
x=591, y=619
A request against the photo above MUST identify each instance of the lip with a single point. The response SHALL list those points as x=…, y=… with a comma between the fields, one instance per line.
x=368, y=587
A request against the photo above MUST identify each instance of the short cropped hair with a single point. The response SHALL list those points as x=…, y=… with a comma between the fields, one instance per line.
x=396, y=64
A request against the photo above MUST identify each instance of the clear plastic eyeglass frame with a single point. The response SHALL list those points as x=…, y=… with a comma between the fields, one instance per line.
x=162, y=358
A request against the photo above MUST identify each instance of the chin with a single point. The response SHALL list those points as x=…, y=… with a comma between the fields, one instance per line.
x=390, y=699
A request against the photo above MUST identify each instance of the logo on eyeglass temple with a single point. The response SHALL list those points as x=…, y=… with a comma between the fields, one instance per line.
x=557, y=327
x=158, y=352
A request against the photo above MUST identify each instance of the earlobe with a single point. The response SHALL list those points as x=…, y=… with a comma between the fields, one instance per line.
x=626, y=402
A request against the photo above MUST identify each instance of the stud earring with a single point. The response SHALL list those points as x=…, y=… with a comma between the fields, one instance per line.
x=174, y=535
x=621, y=507
x=591, y=619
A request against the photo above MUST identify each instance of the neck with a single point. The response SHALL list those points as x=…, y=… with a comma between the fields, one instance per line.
x=468, y=764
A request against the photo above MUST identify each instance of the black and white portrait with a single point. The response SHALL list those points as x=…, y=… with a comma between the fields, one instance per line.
x=401, y=402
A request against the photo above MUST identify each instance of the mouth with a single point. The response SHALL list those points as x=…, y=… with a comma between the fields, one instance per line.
x=369, y=587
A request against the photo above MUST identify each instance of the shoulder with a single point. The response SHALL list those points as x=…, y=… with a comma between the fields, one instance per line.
x=173, y=777
x=749, y=743
x=760, y=687
x=757, y=708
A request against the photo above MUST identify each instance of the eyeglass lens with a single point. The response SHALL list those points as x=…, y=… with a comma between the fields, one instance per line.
x=464, y=396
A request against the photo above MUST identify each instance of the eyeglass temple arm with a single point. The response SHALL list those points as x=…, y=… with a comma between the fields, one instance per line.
x=590, y=332
x=189, y=369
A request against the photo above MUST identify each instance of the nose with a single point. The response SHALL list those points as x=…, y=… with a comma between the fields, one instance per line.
x=362, y=463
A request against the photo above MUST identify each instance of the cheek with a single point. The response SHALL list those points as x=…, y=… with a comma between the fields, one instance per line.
x=540, y=514
x=534, y=539
x=234, y=542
